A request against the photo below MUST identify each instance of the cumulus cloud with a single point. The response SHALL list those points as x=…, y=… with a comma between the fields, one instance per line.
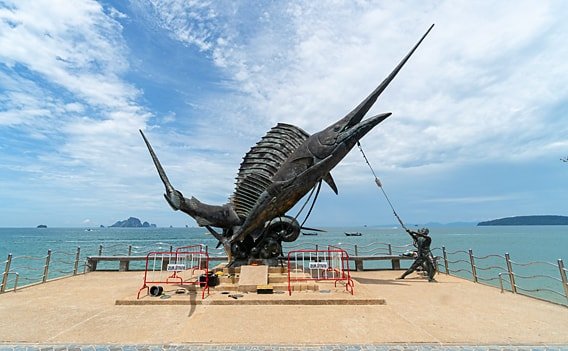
x=486, y=85
x=64, y=92
x=477, y=86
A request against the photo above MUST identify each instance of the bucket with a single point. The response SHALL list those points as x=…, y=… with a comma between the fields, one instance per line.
x=156, y=290
x=212, y=279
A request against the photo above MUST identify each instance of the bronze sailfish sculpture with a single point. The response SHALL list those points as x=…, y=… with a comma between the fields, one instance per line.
x=274, y=175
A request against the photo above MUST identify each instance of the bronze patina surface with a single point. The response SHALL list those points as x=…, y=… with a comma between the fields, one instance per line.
x=283, y=167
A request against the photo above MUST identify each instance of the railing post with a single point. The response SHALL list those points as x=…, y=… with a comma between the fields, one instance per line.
x=445, y=254
x=511, y=274
x=77, y=255
x=5, y=275
x=563, y=277
x=16, y=282
x=473, y=270
x=356, y=250
x=46, y=267
x=100, y=249
x=390, y=249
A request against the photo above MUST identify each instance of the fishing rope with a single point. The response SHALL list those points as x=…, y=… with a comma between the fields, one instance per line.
x=305, y=203
x=312, y=206
x=314, y=189
x=378, y=182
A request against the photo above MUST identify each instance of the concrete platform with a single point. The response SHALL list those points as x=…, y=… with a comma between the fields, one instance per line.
x=238, y=286
x=325, y=293
x=82, y=310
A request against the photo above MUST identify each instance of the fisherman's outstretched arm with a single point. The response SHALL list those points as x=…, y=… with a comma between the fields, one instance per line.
x=414, y=235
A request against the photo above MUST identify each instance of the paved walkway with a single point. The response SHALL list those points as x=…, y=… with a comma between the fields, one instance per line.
x=347, y=347
x=81, y=313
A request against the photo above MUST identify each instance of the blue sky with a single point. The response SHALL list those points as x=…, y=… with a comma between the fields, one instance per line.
x=477, y=131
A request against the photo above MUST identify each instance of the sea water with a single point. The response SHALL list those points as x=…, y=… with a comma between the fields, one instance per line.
x=488, y=244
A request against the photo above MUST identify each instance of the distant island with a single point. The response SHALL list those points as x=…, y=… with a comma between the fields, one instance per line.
x=41, y=226
x=528, y=220
x=132, y=222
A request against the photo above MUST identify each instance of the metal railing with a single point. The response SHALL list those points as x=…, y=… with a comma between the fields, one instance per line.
x=371, y=249
x=534, y=279
x=28, y=270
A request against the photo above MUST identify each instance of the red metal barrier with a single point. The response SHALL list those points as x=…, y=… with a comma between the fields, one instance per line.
x=317, y=265
x=182, y=267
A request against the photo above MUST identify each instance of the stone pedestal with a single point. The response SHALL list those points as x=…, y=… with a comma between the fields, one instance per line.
x=251, y=277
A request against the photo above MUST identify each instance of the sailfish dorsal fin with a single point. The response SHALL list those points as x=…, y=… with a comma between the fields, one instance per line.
x=261, y=163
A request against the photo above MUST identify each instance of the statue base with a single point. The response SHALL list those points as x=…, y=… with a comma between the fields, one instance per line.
x=271, y=262
x=251, y=278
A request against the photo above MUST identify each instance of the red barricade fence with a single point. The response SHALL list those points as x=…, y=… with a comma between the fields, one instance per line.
x=183, y=266
x=331, y=264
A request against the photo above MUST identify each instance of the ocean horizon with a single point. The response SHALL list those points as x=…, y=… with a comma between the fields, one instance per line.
x=527, y=242
x=544, y=245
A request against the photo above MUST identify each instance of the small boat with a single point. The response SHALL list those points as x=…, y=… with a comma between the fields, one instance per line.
x=353, y=233
x=309, y=233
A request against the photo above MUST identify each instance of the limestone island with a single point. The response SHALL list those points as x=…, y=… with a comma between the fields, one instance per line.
x=528, y=220
x=132, y=222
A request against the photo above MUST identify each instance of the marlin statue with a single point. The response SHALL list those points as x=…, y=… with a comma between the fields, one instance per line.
x=274, y=175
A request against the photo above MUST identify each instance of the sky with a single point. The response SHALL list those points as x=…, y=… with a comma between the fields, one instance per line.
x=477, y=132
